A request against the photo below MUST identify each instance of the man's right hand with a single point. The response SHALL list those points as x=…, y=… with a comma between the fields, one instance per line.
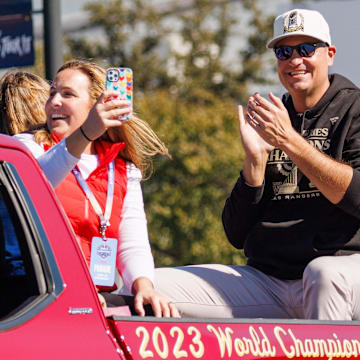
x=255, y=147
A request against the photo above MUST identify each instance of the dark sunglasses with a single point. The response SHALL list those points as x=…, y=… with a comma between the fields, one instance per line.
x=285, y=52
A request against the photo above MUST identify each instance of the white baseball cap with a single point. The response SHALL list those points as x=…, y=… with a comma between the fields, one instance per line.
x=300, y=22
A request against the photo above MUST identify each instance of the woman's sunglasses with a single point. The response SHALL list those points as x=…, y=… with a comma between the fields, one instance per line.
x=285, y=52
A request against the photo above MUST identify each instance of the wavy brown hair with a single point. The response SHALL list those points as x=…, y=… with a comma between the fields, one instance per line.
x=141, y=141
x=22, y=106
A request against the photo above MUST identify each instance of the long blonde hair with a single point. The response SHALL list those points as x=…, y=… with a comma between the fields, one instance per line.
x=141, y=141
x=22, y=106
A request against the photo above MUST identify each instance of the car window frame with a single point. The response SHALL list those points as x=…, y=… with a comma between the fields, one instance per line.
x=47, y=272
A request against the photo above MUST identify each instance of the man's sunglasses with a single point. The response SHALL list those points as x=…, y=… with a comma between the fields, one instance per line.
x=284, y=52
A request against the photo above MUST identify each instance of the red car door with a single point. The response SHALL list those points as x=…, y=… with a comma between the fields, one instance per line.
x=48, y=306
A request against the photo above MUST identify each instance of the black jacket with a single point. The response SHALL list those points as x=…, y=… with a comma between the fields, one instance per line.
x=287, y=222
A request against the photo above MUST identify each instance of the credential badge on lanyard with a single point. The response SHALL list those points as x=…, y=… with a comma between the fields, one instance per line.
x=103, y=249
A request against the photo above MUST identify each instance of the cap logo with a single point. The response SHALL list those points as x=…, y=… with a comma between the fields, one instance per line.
x=295, y=22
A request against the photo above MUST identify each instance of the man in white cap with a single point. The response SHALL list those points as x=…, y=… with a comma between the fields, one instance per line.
x=295, y=208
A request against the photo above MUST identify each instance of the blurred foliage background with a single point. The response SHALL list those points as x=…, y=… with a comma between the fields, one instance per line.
x=187, y=88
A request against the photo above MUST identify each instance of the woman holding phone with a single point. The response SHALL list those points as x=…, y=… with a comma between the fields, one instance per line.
x=95, y=163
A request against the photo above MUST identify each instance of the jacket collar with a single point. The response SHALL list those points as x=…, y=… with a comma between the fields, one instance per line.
x=337, y=83
x=107, y=151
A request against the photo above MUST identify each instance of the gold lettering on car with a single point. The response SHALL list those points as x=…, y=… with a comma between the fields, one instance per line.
x=160, y=344
x=178, y=352
x=196, y=340
x=164, y=352
x=188, y=343
x=329, y=348
x=144, y=353
x=224, y=340
x=258, y=344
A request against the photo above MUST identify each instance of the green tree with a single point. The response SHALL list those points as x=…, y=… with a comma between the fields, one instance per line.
x=187, y=91
x=207, y=29
x=140, y=35
x=132, y=34
x=185, y=195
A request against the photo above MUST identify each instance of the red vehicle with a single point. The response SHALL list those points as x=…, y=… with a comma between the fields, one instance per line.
x=49, y=308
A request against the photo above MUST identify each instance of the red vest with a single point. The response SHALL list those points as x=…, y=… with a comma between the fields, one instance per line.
x=79, y=210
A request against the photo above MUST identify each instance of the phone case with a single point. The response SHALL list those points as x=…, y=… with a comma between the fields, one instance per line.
x=121, y=80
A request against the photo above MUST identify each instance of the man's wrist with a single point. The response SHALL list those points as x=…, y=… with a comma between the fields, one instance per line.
x=253, y=173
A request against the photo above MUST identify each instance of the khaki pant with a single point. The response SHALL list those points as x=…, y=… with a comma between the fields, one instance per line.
x=329, y=290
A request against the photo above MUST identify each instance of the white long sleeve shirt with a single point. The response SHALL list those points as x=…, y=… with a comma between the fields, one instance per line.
x=136, y=259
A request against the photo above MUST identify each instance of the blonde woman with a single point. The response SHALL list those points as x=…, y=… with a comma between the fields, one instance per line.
x=22, y=102
x=85, y=152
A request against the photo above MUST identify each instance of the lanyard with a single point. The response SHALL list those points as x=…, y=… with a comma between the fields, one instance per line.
x=104, y=219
